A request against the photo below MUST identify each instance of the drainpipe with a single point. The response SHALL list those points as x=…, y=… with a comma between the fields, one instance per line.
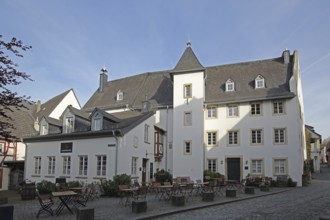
x=116, y=158
x=166, y=139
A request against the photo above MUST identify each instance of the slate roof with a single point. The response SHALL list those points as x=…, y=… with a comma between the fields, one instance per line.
x=128, y=120
x=49, y=106
x=157, y=87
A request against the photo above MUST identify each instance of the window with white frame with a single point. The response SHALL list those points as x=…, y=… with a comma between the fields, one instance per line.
x=51, y=165
x=279, y=135
x=134, y=166
x=278, y=107
x=68, y=124
x=257, y=166
x=187, y=147
x=259, y=82
x=212, y=165
x=120, y=95
x=211, y=138
x=255, y=109
x=230, y=85
x=146, y=133
x=280, y=166
x=44, y=130
x=66, y=165
x=232, y=110
x=187, y=90
x=37, y=165
x=101, y=165
x=211, y=112
x=187, y=119
x=83, y=165
x=97, y=124
x=233, y=137
x=256, y=136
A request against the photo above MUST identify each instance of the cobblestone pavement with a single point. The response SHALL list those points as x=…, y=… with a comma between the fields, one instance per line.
x=298, y=204
x=280, y=203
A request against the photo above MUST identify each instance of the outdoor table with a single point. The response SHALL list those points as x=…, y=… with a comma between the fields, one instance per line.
x=129, y=193
x=164, y=190
x=65, y=197
x=76, y=189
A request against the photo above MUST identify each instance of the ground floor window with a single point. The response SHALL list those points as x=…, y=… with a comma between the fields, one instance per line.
x=83, y=164
x=134, y=166
x=51, y=165
x=257, y=166
x=212, y=165
x=37, y=165
x=66, y=165
x=101, y=165
x=280, y=166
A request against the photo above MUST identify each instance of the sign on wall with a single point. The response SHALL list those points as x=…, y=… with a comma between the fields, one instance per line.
x=66, y=147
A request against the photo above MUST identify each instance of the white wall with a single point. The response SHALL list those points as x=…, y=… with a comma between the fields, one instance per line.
x=188, y=165
x=69, y=99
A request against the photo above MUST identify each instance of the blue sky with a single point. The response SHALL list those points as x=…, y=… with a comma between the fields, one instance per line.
x=73, y=39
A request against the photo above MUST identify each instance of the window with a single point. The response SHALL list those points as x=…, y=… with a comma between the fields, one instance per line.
x=134, y=166
x=51, y=165
x=232, y=111
x=146, y=133
x=97, y=124
x=259, y=82
x=256, y=136
x=66, y=165
x=187, y=147
x=69, y=125
x=211, y=112
x=211, y=138
x=120, y=95
x=212, y=165
x=257, y=167
x=280, y=166
x=233, y=138
x=83, y=164
x=187, y=119
x=278, y=107
x=187, y=92
x=37, y=165
x=159, y=142
x=44, y=130
x=279, y=135
x=230, y=85
x=101, y=165
x=1, y=148
x=255, y=109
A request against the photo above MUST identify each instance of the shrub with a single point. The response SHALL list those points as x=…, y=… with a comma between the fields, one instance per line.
x=212, y=174
x=109, y=188
x=122, y=179
x=45, y=187
x=71, y=184
x=163, y=176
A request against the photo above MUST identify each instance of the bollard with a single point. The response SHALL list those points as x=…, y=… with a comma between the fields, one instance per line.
x=7, y=212
x=85, y=213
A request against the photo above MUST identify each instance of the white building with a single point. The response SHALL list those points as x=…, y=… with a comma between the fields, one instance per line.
x=236, y=119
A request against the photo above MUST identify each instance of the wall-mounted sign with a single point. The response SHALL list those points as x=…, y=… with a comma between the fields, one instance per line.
x=66, y=147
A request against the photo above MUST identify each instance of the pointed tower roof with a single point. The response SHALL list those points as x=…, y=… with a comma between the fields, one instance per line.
x=188, y=61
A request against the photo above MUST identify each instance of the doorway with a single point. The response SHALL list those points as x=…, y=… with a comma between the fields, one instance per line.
x=234, y=169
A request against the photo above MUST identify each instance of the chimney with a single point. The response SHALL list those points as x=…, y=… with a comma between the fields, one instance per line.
x=286, y=56
x=103, y=79
x=38, y=107
x=36, y=124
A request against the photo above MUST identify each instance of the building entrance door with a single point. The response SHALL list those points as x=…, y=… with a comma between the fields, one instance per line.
x=234, y=168
x=144, y=170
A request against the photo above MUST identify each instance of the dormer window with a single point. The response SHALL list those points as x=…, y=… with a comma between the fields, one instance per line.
x=68, y=124
x=120, y=95
x=230, y=85
x=259, y=82
x=44, y=129
x=97, y=124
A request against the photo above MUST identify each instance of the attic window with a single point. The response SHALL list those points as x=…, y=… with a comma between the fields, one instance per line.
x=120, y=95
x=259, y=82
x=230, y=85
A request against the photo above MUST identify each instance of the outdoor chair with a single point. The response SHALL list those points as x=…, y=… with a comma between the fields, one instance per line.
x=45, y=205
x=155, y=189
x=141, y=193
x=82, y=199
x=189, y=191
